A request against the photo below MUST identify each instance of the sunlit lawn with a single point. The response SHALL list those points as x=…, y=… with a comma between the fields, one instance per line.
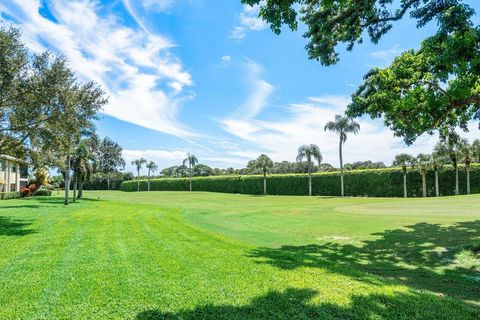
x=163, y=255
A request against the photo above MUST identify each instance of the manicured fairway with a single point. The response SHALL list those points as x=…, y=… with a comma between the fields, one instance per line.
x=163, y=255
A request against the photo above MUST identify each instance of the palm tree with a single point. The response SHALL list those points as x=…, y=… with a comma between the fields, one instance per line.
x=448, y=147
x=423, y=162
x=82, y=169
x=476, y=150
x=466, y=155
x=436, y=162
x=139, y=163
x=192, y=161
x=342, y=125
x=152, y=167
x=404, y=160
x=263, y=163
x=310, y=153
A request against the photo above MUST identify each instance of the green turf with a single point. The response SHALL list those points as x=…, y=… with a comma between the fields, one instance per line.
x=165, y=255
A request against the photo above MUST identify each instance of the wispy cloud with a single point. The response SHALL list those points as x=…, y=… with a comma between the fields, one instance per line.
x=385, y=57
x=144, y=79
x=248, y=20
x=260, y=91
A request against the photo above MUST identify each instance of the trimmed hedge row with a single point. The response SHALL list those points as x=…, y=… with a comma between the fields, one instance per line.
x=371, y=183
x=10, y=195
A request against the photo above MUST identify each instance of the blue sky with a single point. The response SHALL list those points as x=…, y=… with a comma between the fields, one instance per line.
x=210, y=78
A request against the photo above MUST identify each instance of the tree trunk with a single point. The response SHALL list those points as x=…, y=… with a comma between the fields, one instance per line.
x=437, y=191
x=309, y=179
x=190, y=172
x=341, y=168
x=148, y=182
x=424, y=185
x=468, y=179
x=75, y=182
x=67, y=180
x=108, y=183
x=405, y=184
x=80, y=190
x=264, y=183
x=456, y=181
x=138, y=180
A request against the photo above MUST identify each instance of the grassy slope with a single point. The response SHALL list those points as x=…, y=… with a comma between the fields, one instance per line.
x=236, y=256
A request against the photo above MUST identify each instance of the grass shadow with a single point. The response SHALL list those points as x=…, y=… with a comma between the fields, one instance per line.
x=423, y=256
x=13, y=227
x=295, y=303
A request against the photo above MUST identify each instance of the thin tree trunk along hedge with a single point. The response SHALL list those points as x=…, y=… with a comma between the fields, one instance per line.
x=371, y=183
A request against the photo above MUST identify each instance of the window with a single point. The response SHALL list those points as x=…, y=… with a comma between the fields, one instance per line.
x=13, y=187
x=2, y=165
x=24, y=172
x=14, y=167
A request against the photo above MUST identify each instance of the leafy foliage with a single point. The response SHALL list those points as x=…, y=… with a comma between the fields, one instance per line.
x=371, y=183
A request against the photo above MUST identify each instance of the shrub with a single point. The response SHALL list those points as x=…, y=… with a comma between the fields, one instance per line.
x=42, y=192
x=10, y=195
x=370, y=183
x=25, y=192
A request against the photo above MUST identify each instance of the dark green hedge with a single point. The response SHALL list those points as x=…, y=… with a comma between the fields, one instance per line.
x=9, y=195
x=372, y=183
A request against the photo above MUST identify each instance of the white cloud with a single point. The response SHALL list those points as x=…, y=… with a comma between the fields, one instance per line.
x=385, y=57
x=157, y=5
x=225, y=61
x=248, y=20
x=303, y=123
x=144, y=80
x=260, y=92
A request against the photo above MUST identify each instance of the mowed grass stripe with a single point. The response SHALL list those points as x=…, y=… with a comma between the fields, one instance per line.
x=132, y=260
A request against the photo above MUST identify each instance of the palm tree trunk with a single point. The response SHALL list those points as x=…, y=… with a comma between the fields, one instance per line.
x=341, y=168
x=108, y=183
x=405, y=184
x=138, y=180
x=456, y=181
x=264, y=182
x=424, y=185
x=75, y=182
x=309, y=179
x=67, y=180
x=437, y=191
x=468, y=179
x=190, y=173
x=148, y=181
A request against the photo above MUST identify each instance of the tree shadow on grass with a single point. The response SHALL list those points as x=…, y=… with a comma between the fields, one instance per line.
x=423, y=256
x=13, y=227
x=296, y=303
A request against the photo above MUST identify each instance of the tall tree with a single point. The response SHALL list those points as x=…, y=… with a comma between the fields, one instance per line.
x=109, y=158
x=191, y=160
x=310, y=153
x=82, y=168
x=436, y=162
x=476, y=150
x=138, y=163
x=342, y=125
x=152, y=167
x=423, y=163
x=448, y=147
x=404, y=160
x=265, y=164
x=466, y=156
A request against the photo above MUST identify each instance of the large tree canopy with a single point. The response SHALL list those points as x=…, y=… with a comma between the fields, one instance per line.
x=436, y=87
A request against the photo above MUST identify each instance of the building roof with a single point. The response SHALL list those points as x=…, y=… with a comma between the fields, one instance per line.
x=10, y=158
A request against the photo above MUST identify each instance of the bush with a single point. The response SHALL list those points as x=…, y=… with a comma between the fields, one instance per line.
x=370, y=183
x=9, y=195
x=25, y=192
x=42, y=193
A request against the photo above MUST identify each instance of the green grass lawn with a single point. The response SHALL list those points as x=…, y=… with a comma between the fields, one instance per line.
x=165, y=255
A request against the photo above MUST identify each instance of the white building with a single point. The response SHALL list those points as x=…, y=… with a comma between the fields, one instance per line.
x=13, y=173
